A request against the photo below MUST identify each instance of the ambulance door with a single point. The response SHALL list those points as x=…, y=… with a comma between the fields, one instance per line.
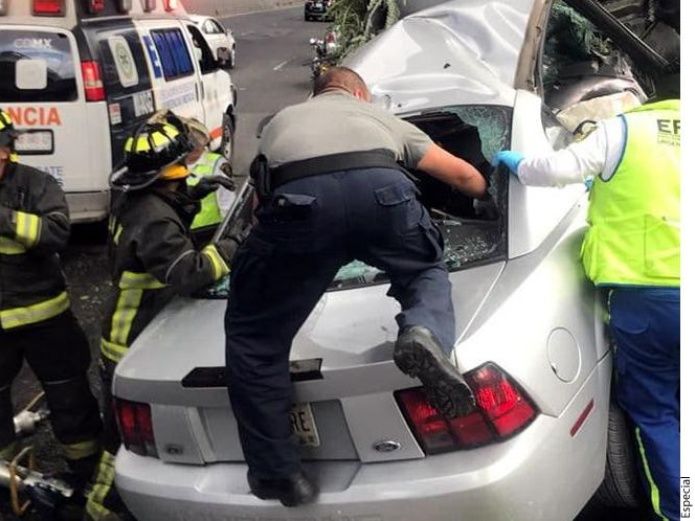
x=41, y=87
x=175, y=80
x=216, y=85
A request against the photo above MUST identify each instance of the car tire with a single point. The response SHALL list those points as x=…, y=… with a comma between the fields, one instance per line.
x=227, y=144
x=621, y=485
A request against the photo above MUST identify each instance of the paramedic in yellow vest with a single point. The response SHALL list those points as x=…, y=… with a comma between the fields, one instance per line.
x=207, y=165
x=36, y=323
x=632, y=248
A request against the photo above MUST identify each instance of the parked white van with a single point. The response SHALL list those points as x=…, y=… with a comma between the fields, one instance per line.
x=78, y=76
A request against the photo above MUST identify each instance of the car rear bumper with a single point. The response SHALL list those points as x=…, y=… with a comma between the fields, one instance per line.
x=543, y=474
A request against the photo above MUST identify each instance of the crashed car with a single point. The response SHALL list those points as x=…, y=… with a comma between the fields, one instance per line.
x=317, y=10
x=478, y=76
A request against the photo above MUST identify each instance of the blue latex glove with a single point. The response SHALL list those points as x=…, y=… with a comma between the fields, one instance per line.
x=508, y=158
x=588, y=183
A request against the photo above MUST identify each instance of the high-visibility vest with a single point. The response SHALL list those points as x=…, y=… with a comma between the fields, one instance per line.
x=209, y=214
x=634, y=215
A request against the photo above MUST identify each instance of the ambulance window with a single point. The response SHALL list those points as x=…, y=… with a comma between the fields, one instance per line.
x=207, y=60
x=123, y=63
x=52, y=51
x=173, y=53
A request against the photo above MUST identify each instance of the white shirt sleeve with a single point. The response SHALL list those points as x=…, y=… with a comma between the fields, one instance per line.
x=596, y=154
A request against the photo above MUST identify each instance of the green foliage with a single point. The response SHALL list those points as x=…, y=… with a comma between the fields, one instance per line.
x=357, y=21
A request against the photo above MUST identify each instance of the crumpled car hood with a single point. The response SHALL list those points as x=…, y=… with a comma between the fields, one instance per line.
x=459, y=52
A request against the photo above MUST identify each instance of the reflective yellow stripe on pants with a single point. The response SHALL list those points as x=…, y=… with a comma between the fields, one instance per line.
x=80, y=449
x=102, y=484
x=16, y=317
x=655, y=496
x=219, y=266
x=10, y=247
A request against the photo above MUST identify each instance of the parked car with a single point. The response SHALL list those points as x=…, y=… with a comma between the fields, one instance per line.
x=80, y=76
x=317, y=10
x=220, y=40
x=478, y=76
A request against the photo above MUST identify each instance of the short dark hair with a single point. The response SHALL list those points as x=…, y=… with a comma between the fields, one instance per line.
x=339, y=78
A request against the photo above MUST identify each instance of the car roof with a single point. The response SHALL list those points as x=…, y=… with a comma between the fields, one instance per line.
x=198, y=18
x=458, y=52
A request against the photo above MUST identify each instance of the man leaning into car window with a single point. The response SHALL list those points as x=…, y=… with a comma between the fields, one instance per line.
x=331, y=190
x=632, y=165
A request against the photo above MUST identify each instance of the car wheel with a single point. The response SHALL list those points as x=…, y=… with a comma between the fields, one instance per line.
x=227, y=145
x=621, y=486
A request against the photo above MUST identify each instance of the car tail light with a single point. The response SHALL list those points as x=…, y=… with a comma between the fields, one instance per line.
x=95, y=6
x=135, y=422
x=502, y=411
x=93, y=86
x=49, y=7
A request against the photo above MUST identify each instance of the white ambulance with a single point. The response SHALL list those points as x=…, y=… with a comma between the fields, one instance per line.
x=78, y=76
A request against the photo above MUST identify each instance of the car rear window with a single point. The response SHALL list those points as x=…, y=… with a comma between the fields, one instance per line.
x=36, y=66
x=173, y=53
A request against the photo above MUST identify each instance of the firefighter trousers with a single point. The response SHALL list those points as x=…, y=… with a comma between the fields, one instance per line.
x=306, y=231
x=645, y=323
x=58, y=353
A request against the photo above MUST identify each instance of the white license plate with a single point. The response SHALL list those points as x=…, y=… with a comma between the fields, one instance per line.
x=304, y=426
x=35, y=141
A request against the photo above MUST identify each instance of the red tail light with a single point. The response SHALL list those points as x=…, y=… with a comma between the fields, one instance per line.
x=503, y=410
x=135, y=422
x=49, y=7
x=93, y=86
x=95, y=6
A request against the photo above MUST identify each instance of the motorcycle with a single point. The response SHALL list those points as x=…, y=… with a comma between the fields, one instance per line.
x=325, y=53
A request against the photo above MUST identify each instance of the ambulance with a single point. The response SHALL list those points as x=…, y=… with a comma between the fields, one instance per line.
x=79, y=76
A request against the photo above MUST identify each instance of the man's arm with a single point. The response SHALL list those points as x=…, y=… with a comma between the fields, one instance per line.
x=43, y=227
x=452, y=170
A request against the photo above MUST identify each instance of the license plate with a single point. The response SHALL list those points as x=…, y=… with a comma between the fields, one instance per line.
x=35, y=142
x=304, y=426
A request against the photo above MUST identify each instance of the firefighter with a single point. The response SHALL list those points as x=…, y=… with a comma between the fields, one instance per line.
x=36, y=323
x=331, y=190
x=152, y=258
x=632, y=248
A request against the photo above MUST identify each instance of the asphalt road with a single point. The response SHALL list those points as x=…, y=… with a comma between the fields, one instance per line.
x=272, y=72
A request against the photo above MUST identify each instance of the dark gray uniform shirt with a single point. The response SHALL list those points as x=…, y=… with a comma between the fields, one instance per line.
x=335, y=122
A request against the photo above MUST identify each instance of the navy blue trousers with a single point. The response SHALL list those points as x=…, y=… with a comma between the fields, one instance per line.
x=306, y=231
x=645, y=323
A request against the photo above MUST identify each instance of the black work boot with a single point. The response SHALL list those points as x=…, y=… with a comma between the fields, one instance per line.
x=292, y=491
x=419, y=355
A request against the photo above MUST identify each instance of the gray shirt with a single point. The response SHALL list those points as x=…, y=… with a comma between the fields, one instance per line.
x=335, y=122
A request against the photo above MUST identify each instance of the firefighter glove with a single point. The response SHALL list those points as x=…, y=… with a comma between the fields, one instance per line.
x=508, y=158
x=208, y=184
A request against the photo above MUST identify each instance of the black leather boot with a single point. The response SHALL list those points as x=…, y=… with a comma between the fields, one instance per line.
x=418, y=354
x=292, y=491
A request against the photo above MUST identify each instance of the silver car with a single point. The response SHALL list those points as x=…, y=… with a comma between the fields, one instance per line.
x=478, y=76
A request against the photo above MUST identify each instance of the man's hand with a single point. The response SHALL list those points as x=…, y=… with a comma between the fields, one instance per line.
x=209, y=184
x=508, y=158
x=453, y=170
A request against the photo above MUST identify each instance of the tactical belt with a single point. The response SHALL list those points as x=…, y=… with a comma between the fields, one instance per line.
x=379, y=158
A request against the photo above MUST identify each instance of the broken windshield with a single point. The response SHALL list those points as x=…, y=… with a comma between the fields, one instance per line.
x=473, y=133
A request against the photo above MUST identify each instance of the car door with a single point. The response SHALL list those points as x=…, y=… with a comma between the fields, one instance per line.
x=215, y=84
x=175, y=77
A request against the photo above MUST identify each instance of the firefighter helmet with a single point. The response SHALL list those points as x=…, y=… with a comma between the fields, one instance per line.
x=154, y=151
x=7, y=131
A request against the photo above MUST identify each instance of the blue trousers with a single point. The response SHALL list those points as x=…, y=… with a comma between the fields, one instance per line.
x=306, y=231
x=645, y=323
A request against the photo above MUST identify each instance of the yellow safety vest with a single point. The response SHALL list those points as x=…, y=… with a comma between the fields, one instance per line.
x=634, y=216
x=209, y=214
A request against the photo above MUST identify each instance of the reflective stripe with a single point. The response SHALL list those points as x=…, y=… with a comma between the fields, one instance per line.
x=112, y=351
x=126, y=309
x=117, y=235
x=655, y=495
x=10, y=247
x=133, y=280
x=219, y=266
x=27, y=228
x=102, y=484
x=11, y=318
x=80, y=450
